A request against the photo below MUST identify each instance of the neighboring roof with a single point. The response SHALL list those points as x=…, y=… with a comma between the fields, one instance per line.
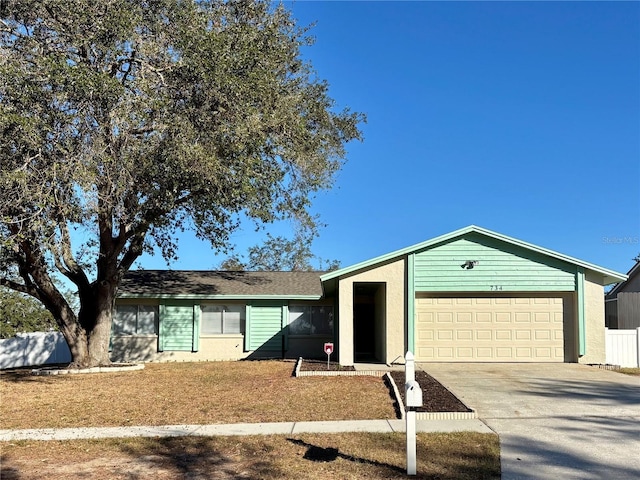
x=635, y=270
x=182, y=284
x=609, y=275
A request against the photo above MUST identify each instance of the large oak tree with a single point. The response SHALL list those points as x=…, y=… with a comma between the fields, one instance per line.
x=124, y=121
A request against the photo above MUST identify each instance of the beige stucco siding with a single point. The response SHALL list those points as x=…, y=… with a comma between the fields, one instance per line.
x=393, y=275
x=139, y=348
x=594, y=320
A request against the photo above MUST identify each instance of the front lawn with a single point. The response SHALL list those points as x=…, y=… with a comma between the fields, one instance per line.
x=188, y=393
x=456, y=456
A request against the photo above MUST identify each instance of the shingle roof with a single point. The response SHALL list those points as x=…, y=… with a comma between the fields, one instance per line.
x=186, y=283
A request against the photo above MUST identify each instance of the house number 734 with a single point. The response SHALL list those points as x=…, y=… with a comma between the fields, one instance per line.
x=496, y=287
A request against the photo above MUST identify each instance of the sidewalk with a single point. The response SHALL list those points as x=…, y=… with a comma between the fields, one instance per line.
x=281, y=428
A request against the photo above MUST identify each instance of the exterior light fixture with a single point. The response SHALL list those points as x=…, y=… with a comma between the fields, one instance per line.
x=469, y=264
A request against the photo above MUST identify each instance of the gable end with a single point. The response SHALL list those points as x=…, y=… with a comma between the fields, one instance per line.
x=500, y=266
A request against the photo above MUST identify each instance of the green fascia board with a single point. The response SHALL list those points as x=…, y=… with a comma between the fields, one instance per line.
x=609, y=276
x=219, y=297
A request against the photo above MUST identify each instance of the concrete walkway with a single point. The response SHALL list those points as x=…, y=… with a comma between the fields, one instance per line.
x=281, y=428
x=555, y=421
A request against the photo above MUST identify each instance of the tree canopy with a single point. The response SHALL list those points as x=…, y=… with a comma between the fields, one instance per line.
x=124, y=121
x=21, y=314
x=279, y=253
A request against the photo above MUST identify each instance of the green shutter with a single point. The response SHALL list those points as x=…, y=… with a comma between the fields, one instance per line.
x=177, y=327
x=265, y=326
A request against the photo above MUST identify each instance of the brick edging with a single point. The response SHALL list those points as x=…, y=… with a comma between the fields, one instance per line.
x=336, y=373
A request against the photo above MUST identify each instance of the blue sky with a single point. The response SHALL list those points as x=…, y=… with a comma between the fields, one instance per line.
x=520, y=117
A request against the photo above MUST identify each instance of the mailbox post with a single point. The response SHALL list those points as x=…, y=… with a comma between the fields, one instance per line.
x=413, y=397
x=328, y=349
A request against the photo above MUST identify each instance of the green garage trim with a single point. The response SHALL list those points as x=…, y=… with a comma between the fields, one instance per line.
x=500, y=267
x=582, y=334
x=411, y=302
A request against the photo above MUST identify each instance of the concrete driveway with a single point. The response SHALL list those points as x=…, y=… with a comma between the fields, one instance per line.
x=555, y=421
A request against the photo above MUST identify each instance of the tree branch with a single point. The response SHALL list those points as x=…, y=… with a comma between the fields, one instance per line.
x=19, y=287
x=134, y=251
x=71, y=269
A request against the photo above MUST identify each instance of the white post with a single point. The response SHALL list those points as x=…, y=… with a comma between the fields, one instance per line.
x=410, y=415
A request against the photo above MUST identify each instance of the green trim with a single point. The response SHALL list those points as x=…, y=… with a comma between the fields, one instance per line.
x=161, y=333
x=196, y=327
x=284, y=325
x=609, y=276
x=247, y=327
x=164, y=296
x=582, y=334
x=411, y=300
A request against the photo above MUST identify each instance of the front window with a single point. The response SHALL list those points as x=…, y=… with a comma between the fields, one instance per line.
x=135, y=320
x=222, y=319
x=310, y=320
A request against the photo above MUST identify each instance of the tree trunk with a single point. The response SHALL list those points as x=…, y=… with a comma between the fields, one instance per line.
x=91, y=347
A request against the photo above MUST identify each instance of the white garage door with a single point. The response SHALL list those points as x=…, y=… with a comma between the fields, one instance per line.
x=484, y=329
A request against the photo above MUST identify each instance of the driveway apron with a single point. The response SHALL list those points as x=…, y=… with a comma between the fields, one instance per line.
x=555, y=421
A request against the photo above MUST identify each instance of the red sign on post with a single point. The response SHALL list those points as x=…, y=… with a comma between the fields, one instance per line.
x=328, y=349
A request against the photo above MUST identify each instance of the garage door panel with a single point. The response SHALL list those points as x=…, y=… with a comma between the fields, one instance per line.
x=465, y=353
x=490, y=329
x=464, y=335
x=504, y=353
x=483, y=335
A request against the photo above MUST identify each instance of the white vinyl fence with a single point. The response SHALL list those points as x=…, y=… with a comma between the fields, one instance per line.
x=32, y=349
x=623, y=347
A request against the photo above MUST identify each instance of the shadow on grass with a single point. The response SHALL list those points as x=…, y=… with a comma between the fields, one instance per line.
x=23, y=375
x=321, y=454
x=200, y=457
x=461, y=456
x=8, y=472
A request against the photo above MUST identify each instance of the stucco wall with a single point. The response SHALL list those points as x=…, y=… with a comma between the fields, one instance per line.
x=595, y=351
x=393, y=274
x=139, y=348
